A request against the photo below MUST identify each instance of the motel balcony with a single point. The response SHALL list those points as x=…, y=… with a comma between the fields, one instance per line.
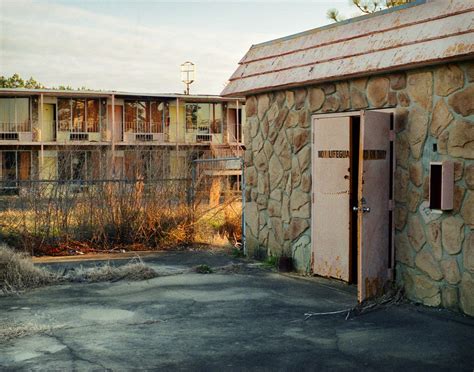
x=16, y=131
x=143, y=131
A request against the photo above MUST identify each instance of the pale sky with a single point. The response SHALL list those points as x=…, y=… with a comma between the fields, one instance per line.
x=138, y=46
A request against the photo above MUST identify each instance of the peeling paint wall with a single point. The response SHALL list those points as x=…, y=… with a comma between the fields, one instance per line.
x=435, y=260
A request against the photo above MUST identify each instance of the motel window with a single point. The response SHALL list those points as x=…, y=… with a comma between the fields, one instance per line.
x=79, y=165
x=14, y=166
x=144, y=116
x=14, y=115
x=79, y=115
x=145, y=165
x=204, y=117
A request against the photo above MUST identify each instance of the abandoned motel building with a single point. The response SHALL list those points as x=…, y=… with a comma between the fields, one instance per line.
x=359, y=155
x=80, y=136
x=357, y=139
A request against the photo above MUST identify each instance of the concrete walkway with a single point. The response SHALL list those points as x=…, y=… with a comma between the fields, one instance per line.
x=239, y=318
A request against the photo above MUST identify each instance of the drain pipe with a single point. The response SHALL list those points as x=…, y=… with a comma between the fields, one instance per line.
x=242, y=187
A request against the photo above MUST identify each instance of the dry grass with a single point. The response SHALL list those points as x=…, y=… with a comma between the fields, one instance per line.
x=9, y=331
x=18, y=273
x=133, y=270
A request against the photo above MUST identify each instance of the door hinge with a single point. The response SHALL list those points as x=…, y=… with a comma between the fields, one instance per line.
x=390, y=205
x=391, y=135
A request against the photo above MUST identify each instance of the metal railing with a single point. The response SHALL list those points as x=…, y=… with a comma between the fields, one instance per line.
x=12, y=127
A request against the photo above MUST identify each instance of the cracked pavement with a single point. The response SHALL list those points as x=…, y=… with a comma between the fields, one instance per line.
x=244, y=318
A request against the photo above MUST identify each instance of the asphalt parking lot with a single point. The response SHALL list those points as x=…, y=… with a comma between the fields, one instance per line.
x=241, y=317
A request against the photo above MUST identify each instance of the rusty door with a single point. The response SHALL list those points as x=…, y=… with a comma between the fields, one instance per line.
x=373, y=210
x=331, y=197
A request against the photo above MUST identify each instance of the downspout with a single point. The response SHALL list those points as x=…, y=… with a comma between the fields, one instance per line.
x=41, y=126
x=242, y=186
x=112, y=131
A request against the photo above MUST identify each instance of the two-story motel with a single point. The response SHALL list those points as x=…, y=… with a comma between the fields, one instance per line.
x=80, y=135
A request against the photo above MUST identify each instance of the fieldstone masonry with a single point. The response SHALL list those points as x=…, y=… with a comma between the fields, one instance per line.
x=435, y=105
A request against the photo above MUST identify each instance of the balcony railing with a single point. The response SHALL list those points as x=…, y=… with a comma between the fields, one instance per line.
x=143, y=127
x=11, y=127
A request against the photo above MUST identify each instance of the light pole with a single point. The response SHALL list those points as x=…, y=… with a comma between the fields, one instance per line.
x=187, y=74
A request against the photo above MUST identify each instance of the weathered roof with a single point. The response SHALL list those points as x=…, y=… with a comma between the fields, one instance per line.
x=117, y=94
x=421, y=33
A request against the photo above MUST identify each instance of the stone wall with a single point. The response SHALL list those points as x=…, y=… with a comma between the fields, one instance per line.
x=435, y=260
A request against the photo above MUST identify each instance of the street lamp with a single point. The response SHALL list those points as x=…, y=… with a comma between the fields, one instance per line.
x=187, y=74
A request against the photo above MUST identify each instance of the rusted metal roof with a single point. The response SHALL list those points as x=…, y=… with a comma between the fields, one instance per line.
x=422, y=33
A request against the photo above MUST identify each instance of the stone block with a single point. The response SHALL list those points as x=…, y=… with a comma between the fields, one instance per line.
x=404, y=253
x=300, y=138
x=469, y=177
x=450, y=269
x=415, y=232
x=316, y=99
x=275, y=171
x=467, y=211
x=263, y=103
x=448, y=79
x=461, y=139
x=452, y=229
x=433, y=236
x=342, y=89
x=358, y=99
x=300, y=98
x=441, y=118
x=400, y=217
x=377, y=91
x=297, y=227
x=331, y=104
x=401, y=185
x=466, y=294
x=425, y=261
x=417, y=130
x=462, y=102
x=304, y=158
x=449, y=297
x=250, y=106
x=403, y=99
x=426, y=291
x=290, y=99
x=420, y=89
x=468, y=253
x=398, y=81
x=416, y=173
x=414, y=199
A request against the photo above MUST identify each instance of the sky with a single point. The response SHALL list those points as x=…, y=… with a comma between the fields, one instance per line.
x=138, y=46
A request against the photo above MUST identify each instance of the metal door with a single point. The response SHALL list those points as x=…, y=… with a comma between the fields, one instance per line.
x=49, y=126
x=331, y=197
x=374, y=193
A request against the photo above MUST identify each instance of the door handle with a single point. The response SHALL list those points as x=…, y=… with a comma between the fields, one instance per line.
x=364, y=209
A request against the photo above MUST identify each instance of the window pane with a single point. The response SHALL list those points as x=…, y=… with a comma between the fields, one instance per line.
x=204, y=115
x=217, y=119
x=191, y=116
x=7, y=114
x=24, y=165
x=157, y=117
x=92, y=115
x=78, y=115
x=130, y=116
x=64, y=166
x=8, y=166
x=78, y=162
x=64, y=114
x=22, y=114
x=143, y=114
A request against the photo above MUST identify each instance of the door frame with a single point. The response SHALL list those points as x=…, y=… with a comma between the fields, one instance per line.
x=313, y=152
